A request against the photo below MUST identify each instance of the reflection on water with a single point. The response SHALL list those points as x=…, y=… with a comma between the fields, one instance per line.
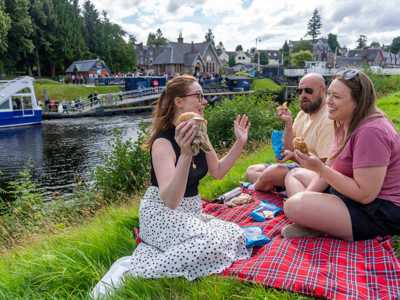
x=59, y=150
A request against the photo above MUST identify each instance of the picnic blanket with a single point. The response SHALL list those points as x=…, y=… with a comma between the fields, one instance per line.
x=321, y=267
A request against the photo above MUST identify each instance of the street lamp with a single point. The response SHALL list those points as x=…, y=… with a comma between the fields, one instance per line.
x=258, y=54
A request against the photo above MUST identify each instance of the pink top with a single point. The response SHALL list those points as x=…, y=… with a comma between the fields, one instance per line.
x=375, y=143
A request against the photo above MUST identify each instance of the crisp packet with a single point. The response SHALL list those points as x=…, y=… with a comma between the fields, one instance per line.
x=254, y=236
x=265, y=211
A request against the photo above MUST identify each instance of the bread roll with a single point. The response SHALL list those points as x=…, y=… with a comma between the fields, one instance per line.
x=300, y=144
x=188, y=116
x=200, y=140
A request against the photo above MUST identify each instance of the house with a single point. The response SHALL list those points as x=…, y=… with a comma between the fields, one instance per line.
x=242, y=57
x=222, y=54
x=274, y=57
x=85, y=69
x=391, y=60
x=361, y=57
x=145, y=56
x=189, y=58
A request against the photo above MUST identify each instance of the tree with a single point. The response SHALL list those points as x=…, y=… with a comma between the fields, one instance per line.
x=239, y=48
x=314, y=25
x=375, y=44
x=156, y=39
x=298, y=59
x=209, y=36
x=333, y=42
x=91, y=27
x=302, y=45
x=395, y=47
x=362, y=42
x=20, y=44
x=231, y=61
x=5, y=24
x=263, y=57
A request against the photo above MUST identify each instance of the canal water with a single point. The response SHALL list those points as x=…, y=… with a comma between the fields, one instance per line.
x=60, y=151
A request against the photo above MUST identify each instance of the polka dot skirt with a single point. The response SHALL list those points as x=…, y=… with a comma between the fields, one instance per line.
x=184, y=241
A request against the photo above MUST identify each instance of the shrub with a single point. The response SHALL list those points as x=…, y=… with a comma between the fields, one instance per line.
x=24, y=211
x=259, y=108
x=384, y=85
x=125, y=170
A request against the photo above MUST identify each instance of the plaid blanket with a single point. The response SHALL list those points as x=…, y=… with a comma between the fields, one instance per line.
x=322, y=267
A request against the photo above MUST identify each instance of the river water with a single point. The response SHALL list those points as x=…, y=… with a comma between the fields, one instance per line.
x=57, y=151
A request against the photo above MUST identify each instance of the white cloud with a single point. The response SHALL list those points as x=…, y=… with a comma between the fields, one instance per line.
x=276, y=21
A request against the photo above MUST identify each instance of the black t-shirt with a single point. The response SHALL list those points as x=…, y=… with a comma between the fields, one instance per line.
x=198, y=168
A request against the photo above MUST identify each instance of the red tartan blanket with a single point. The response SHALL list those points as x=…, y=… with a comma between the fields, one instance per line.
x=322, y=267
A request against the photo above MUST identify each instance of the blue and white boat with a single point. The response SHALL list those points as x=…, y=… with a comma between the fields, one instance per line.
x=18, y=103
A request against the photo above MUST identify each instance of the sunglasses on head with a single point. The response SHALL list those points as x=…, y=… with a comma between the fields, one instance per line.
x=348, y=73
x=307, y=90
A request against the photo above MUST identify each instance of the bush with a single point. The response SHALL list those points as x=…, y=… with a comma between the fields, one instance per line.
x=125, y=170
x=385, y=85
x=259, y=108
x=24, y=211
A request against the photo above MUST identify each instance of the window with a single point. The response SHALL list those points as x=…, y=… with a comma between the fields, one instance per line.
x=27, y=102
x=24, y=91
x=16, y=103
x=5, y=105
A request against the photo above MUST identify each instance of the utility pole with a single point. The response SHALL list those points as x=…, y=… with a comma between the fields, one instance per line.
x=258, y=54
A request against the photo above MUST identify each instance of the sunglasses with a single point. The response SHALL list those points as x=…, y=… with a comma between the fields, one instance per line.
x=348, y=74
x=307, y=90
x=199, y=96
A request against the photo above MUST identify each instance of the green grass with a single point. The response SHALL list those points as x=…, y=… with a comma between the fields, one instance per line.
x=210, y=188
x=59, y=91
x=69, y=264
x=391, y=106
x=265, y=84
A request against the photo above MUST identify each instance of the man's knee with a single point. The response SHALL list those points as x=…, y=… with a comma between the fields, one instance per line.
x=254, y=170
x=277, y=171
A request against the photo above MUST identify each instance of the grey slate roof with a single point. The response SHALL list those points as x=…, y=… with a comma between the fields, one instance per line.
x=85, y=66
x=344, y=61
x=181, y=53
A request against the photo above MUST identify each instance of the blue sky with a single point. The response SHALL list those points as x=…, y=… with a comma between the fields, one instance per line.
x=237, y=22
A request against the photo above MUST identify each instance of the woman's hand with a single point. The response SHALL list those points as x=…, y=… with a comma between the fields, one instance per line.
x=287, y=155
x=184, y=134
x=311, y=162
x=241, y=129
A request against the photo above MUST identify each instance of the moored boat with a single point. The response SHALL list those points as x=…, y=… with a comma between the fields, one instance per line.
x=18, y=103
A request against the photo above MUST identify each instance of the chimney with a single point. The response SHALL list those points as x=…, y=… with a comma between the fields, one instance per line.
x=192, y=48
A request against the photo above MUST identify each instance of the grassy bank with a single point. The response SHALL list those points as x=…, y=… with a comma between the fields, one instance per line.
x=391, y=106
x=59, y=91
x=68, y=264
x=265, y=84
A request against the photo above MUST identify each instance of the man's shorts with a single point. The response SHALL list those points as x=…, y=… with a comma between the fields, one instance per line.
x=378, y=218
x=290, y=166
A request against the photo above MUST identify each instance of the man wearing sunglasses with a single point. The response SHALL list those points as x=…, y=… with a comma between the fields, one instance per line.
x=311, y=123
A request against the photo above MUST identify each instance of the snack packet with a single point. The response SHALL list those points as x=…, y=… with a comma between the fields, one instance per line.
x=265, y=211
x=254, y=236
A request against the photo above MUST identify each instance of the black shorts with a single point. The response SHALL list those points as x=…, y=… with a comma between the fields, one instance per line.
x=378, y=218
